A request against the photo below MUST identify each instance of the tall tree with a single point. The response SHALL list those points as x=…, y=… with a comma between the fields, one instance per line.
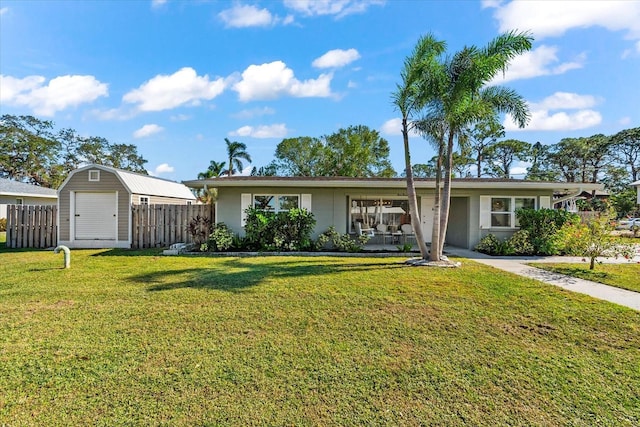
x=409, y=98
x=540, y=169
x=483, y=134
x=236, y=152
x=626, y=146
x=301, y=156
x=462, y=97
x=214, y=170
x=501, y=156
x=581, y=159
x=357, y=151
x=28, y=150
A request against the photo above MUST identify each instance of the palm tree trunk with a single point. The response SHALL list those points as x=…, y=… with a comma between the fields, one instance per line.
x=411, y=194
x=436, y=255
x=446, y=193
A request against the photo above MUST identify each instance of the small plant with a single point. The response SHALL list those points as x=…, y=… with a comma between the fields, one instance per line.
x=491, y=245
x=406, y=247
x=282, y=231
x=3, y=224
x=199, y=229
x=341, y=242
x=221, y=239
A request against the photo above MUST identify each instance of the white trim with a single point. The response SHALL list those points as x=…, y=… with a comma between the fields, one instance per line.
x=305, y=201
x=72, y=216
x=118, y=217
x=276, y=196
x=511, y=212
x=19, y=201
x=97, y=177
x=545, y=202
x=148, y=199
x=246, y=200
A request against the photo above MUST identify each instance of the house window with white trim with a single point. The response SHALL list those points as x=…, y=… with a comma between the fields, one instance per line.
x=276, y=202
x=374, y=211
x=94, y=175
x=144, y=200
x=19, y=201
x=503, y=210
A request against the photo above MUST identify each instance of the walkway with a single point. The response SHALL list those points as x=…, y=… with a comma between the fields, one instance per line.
x=517, y=265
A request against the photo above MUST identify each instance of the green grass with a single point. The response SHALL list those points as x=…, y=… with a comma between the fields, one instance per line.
x=3, y=239
x=625, y=276
x=138, y=339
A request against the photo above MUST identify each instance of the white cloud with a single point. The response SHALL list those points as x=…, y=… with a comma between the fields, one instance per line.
x=147, y=130
x=543, y=119
x=393, y=127
x=338, y=8
x=161, y=168
x=271, y=131
x=542, y=61
x=3, y=10
x=254, y=112
x=242, y=16
x=336, y=58
x=352, y=85
x=552, y=19
x=625, y=120
x=158, y=3
x=275, y=79
x=164, y=92
x=61, y=92
x=631, y=52
x=565, y=101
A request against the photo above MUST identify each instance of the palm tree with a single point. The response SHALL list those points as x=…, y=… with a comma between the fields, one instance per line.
x=236, y=151
x=409, y=100
x=460, y=98
x=214, y=170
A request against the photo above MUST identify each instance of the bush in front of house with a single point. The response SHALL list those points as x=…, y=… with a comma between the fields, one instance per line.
x=542, y=226
x=199, y=229
x=281, y=231
x=340, y=242
x=220, y=239
x=3, y=224
x=492, y=245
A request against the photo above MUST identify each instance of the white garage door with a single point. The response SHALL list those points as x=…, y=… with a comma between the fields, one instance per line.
x=96, y=216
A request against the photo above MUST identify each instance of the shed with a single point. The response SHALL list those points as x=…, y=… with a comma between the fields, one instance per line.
x=19, y=193
x=94, y=204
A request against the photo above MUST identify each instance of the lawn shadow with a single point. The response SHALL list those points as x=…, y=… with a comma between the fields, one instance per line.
x=238, y=274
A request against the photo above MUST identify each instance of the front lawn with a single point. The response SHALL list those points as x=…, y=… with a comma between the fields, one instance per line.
x=131, y=338
x=625, y=276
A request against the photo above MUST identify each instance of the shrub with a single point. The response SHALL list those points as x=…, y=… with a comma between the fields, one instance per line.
x=592, y=240
x=521, y=244
x=341, y=242
x=3, y=224
x=542, y=226
x=491, y=245
x=199, y=229
x=221, y=239
x=282, y=231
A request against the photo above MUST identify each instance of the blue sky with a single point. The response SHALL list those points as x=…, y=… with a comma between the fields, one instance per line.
x=177, y=77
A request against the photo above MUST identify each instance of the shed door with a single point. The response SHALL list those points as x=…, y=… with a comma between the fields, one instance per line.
x=96, y=216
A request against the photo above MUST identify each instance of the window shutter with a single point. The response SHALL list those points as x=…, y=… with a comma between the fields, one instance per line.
x=245, y=202
x=305, y=202
x=485, y=212
x=545, y=202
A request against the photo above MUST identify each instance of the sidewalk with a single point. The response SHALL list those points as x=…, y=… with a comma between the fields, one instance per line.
x=517, y=265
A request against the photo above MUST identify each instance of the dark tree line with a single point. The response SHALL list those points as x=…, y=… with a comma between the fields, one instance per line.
x=32, y=151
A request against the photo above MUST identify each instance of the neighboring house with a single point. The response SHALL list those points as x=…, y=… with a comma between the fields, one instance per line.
x=478, y=206
x=19, y=193
x=94, y=204
x=637, y=185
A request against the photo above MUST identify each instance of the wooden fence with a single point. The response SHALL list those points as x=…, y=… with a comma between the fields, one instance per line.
x=152, y=226
x=158, y=226
x=31, y=226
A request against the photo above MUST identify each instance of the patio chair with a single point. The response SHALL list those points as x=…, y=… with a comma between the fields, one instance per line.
x=407, y=232
x=364, y=231
x=382, y=230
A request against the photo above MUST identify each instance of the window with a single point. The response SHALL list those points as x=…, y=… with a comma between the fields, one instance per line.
x=374, y=211
x=19, y=201
x=503, y=210
x=276, y=202
x=144, y=200
x=94, y=175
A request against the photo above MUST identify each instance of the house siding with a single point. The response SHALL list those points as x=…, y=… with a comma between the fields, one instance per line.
x=330, y=208
x=79, y=182
x=159, y=200
x=27, y=200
